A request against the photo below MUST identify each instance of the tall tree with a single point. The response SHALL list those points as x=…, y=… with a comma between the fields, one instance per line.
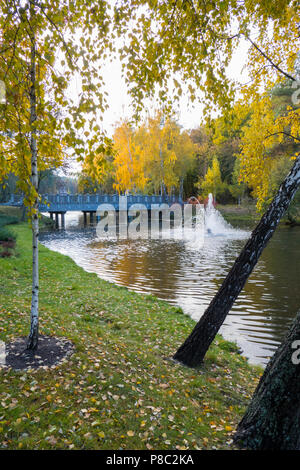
x=185, y=151
x=193, y=350
x=40, y=123
x=154, y=157
x=237, y=188
x=128, y=161
x=268, y=136
x=34, y=316
x=159, y=152
x=212, y=182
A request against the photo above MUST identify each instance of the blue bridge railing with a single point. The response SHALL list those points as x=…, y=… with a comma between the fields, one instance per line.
x=90, y=202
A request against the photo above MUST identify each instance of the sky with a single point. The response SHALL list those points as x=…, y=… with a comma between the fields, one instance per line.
x=189, y=114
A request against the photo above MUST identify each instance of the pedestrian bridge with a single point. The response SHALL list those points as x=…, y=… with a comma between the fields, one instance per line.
x=90, y=202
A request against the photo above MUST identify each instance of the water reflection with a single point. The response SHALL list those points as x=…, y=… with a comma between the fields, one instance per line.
x=173, y=271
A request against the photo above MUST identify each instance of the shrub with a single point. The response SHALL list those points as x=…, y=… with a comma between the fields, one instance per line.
x=6, y=254
x=8, y=220
x=6, y=235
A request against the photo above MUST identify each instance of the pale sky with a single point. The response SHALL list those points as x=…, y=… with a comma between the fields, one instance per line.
x=189, y=114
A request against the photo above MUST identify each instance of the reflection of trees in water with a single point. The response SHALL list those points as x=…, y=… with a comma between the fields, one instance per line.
x=166, y=267
x=146, y=263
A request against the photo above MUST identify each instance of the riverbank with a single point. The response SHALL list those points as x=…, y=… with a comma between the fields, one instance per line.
x=238, y=215
x=119, y=390
x=247, y=215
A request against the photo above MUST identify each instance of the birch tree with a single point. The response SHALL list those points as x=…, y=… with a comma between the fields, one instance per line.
x=43, y=46
x=271, y=421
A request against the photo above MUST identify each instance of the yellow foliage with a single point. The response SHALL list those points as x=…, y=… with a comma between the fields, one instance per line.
x=129, y=160
x=212, y=182
x=262, y=132
x=152, y=158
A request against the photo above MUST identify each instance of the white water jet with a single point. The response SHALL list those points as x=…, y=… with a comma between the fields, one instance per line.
x=216, y=225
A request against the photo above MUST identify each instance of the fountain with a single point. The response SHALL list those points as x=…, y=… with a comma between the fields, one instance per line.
x=216, y=225
x=212, y=228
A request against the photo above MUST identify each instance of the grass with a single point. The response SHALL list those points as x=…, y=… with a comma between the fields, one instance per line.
x=13, y=215
x=10, y=216
x=239, y=215
x=7, y=220
x=247, y=215
x=119, y=390
x=10, y=213
x=6, y=234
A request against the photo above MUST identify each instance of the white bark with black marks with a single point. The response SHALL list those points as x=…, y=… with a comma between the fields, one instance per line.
x=272, y=420
x=32, y=342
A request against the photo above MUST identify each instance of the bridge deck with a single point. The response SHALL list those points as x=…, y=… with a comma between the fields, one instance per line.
x=91, y=202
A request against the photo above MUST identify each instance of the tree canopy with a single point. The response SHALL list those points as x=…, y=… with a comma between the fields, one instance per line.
x=171, y=43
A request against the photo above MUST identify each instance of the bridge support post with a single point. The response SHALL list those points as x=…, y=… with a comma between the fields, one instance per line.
x=91, y=217
x=51, y=215
x=84, y=218
x=56, y=220
x=62, y=219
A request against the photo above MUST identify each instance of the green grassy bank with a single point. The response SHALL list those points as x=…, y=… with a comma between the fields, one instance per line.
x=247, y=215
x=239, y=215
x=119, y=390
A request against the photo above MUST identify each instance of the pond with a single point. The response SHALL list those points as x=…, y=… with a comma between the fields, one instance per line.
x=189, y=276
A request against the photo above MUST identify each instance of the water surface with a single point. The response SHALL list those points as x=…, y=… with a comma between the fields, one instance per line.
x=189, y=277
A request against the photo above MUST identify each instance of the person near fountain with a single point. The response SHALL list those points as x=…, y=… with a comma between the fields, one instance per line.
x=193, y=200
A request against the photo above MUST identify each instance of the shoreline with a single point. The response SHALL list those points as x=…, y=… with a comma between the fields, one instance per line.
x=118, y=389
x=248, y=216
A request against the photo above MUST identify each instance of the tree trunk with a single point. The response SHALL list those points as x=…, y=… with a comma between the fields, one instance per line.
x=272, y=420
x=23, y=212
x=162, y=187
x=193, y=350
x=32, y=341
x=181, y=189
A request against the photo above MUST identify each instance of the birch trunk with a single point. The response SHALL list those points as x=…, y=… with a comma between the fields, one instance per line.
x=32, y=341
x=272, y=420
x=193, y=350
x=163, y=188
x=181, y=189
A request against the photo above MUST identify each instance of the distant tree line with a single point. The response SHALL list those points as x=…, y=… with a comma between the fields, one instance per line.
x=49, y=183
x=240, y=155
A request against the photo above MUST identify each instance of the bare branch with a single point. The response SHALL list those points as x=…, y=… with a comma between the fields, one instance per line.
x=284, y=133
x=269, y=59
x=59, y=33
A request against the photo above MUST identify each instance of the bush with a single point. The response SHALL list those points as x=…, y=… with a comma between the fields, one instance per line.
x=6, y=235
x=8, y=220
